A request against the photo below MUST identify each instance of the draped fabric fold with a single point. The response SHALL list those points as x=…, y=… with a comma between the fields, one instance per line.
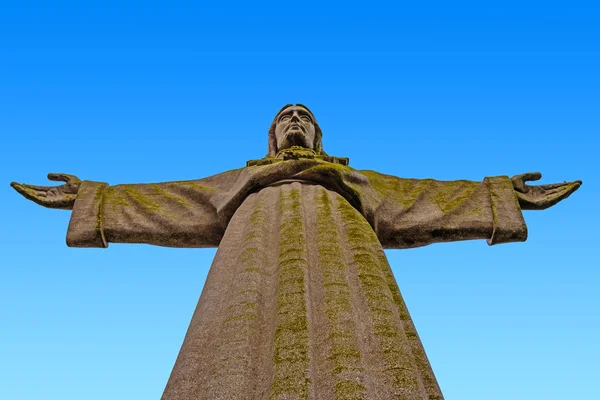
x=300, y=303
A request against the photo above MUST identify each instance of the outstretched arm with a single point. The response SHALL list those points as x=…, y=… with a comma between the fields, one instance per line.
x=412, y=212
x=175, y=214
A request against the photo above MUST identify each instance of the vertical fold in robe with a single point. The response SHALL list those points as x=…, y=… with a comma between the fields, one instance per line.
x=227, y=351
x=292, y=375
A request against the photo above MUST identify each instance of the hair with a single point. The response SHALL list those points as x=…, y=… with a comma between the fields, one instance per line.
x=317, y=145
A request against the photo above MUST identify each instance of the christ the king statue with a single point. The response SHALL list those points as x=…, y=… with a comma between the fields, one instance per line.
x=300, y=301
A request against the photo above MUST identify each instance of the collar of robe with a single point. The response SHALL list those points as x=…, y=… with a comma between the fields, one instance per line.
x=298, y=153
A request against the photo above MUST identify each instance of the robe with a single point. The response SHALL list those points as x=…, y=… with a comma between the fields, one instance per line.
x=300, y=301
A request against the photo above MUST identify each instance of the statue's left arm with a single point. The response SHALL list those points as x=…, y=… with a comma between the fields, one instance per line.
x=413, y=212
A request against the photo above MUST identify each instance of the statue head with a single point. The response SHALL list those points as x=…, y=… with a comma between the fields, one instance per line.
x=294, y=125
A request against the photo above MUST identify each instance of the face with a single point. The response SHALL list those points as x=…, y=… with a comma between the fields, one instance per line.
x=295, y=127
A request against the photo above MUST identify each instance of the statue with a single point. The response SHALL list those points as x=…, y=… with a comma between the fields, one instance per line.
x=300, y=301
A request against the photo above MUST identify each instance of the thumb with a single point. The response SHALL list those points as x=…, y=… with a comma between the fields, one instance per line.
x=58, y=176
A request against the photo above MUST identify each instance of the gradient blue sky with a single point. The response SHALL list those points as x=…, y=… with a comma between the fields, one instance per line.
x=149, y=93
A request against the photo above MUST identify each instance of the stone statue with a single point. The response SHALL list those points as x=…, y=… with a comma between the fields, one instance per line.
x=300, y=302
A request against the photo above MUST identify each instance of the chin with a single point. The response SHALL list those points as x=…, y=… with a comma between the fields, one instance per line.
x=295, y=139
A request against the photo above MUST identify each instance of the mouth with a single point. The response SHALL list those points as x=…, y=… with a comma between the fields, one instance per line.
x=294, y=134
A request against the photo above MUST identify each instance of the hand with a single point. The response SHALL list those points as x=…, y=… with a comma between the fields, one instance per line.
x=543, y=196
x=62, y=196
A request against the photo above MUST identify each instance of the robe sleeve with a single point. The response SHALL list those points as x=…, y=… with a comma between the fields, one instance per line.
x=417, y=212
x=174, y=214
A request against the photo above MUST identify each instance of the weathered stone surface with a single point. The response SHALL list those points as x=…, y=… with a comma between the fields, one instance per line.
x=300, y=302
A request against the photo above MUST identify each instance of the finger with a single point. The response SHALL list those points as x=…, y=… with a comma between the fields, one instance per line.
x=555, y=198
x=550, y=192
x=559, y=194
x=518, y=181
x=36, y=187
x=30, y=194
x=574, y=186
x=24, y=189
x=531, y=176
x=54, y=176
x=557, y=185
x=565, y=187
x=554, y=185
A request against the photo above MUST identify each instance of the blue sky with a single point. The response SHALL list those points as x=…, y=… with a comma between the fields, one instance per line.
x=148, y=93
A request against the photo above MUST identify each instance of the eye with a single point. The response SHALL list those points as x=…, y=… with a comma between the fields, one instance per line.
x=284, y=118
x=306, y=118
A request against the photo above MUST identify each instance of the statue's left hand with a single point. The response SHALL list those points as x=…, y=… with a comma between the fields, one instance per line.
x=62, y=196
x=543, y=196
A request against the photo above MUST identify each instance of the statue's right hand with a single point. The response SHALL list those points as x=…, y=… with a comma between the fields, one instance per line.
x=62, y=196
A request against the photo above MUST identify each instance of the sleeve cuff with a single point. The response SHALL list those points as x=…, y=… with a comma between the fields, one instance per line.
x=85, y=226
x=509, y=225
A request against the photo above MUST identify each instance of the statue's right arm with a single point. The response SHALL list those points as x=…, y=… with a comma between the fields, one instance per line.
x=174, y=214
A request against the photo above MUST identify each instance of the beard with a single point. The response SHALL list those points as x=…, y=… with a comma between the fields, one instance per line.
x=295, y=138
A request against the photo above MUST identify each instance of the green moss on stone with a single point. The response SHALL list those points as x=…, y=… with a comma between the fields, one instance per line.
x=403, y=192
x=291, y=352
x=345, y=355
x=98, y=199
x=349, y=390
x=196, y=186
x=449, y=195
x=365, y=248
x=166, y=194
x=241, y=324
x=142, y=199
x=245, y=316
